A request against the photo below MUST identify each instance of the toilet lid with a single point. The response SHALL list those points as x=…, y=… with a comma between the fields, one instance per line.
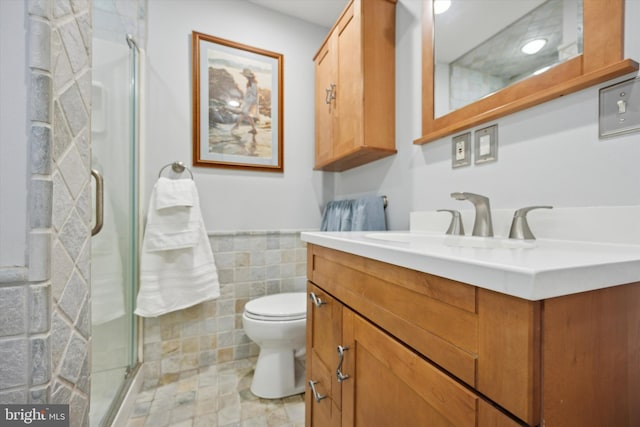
x=285, y=306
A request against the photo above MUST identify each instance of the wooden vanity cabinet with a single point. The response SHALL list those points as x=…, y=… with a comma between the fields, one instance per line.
x=388, y=383
x=355, y=87
x=427, y=351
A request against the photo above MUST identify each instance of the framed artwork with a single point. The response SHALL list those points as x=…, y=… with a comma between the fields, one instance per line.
x=237, y=105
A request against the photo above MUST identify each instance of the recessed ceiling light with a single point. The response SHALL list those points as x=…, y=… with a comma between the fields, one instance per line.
x=441, y=6
x=533, y=46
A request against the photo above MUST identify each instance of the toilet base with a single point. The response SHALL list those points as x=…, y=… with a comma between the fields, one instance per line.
x=278, y=373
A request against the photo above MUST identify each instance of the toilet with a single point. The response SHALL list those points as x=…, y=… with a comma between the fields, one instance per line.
x=277, y=323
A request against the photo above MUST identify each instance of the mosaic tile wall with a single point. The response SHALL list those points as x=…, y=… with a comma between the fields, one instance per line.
x=45, y=331
x=250, y=265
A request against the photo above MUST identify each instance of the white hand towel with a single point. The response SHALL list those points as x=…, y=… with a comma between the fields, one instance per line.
x=175, y=192
x=172, y=228
x=177, y=278
x=173, y=222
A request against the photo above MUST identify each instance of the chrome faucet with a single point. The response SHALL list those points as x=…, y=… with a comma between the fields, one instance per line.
x=455, y=227
x=520, y=227
x=482, y=225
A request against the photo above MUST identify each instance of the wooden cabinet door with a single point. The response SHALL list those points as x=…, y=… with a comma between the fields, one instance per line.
x=325, y=101
x=350, y=80
x=324, y=333
x=390, y=385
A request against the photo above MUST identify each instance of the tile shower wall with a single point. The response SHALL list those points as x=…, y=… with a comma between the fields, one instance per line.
x=250, y=265
x=44, y=309
x=112, y=19
x=471, y=85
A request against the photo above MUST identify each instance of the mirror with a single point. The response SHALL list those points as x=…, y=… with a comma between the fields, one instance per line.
x=600, y=60
x=515, y=40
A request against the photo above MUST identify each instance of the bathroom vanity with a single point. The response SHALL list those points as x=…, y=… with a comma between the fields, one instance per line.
x=407, y=330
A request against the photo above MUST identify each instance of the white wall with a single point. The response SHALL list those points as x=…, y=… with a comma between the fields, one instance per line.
x=234, y=199
x=549, y=154
x=13, y=133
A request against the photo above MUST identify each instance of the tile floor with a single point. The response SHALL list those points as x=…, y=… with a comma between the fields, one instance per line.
x=216, y=396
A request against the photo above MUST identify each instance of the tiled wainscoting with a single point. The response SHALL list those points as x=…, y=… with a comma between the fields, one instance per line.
x=250, y=264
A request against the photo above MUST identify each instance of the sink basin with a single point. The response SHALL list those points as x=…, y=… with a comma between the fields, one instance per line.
x=452, y=241
x=487, y=242
x=400, y=237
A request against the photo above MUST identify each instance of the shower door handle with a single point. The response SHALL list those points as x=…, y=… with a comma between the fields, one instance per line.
x=99, y=202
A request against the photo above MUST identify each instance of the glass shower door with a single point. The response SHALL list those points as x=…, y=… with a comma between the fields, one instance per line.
x=114, y=247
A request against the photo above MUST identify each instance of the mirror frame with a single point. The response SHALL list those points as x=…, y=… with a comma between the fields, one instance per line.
x=601, y=60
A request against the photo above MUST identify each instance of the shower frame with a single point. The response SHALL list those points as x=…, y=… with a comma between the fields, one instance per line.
x=117, y=407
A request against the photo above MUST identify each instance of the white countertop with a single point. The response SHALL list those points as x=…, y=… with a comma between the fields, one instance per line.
x=537, y=270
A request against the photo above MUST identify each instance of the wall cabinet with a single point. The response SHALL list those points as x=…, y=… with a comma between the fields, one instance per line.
x=355, y=87
x=392, y=346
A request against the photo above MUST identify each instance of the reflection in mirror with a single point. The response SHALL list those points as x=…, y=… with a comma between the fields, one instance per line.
x=475, y=58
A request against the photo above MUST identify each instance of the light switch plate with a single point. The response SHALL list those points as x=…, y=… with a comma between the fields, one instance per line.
x=461, y=150
x=486, y=144
x=620, y=108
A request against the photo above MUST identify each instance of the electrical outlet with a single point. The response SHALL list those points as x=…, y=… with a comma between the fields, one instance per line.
x=461, y=150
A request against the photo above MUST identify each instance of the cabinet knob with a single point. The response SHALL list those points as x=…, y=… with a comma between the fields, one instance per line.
x=316, y=300
x=341, y=377
x=317, y=396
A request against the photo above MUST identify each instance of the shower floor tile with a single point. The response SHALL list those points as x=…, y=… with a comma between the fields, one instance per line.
x=216, y=396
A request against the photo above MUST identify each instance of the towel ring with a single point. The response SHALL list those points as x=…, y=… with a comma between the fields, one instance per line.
x=177, y=167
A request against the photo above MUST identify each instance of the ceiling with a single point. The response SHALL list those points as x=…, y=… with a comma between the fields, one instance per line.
x=320, y=12
x=326, y=12
x=468, y=17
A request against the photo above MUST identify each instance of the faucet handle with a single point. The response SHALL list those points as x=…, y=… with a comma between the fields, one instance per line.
x=455, y=227
x=520, y=227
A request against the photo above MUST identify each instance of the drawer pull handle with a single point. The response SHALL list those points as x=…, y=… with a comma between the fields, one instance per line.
x=316, y=395
x=339, y=374
x=317, y=301
x=331, y=94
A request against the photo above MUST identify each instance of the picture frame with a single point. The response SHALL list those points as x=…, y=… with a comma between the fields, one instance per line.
x=237, y=105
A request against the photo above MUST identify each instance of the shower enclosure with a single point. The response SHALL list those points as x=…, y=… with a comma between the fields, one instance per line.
x=114, y=245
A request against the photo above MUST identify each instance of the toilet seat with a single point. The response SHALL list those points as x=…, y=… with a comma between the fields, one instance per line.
x=278, y=307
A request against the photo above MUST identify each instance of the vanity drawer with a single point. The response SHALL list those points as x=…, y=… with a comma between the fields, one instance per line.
x=324, y=334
